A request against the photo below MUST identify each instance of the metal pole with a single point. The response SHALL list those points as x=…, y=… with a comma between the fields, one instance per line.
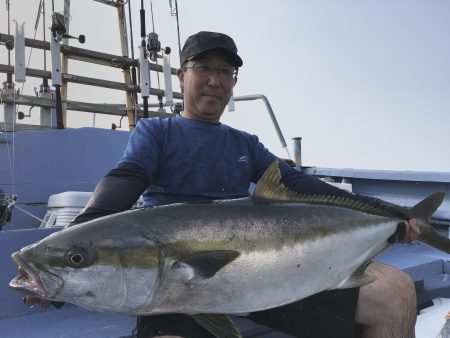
x=271, y=113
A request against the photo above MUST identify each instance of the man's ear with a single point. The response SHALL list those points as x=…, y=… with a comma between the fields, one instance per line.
x=180, y=75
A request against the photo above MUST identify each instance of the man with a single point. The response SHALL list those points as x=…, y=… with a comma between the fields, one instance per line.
x=193, y=157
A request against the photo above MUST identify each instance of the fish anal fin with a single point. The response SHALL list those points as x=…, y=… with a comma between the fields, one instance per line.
x=219, y=325
x=206, y=263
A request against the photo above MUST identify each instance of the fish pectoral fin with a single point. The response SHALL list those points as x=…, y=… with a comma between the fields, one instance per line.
x=357, y=279
x=219, y=325
x=206, y=263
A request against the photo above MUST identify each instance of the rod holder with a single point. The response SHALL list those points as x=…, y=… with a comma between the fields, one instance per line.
x=19, y=53
x=298, y=152
x=167, y=79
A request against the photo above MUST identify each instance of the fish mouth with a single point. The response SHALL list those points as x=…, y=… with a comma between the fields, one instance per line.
x=30, y=280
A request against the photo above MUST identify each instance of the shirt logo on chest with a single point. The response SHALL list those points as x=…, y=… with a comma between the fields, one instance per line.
x=243, y=159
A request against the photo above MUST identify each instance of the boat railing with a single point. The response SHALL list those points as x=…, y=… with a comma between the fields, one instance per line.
x=11, y=96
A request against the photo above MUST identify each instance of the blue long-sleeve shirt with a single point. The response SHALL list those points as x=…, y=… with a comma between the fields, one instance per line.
x=189, y=159
x=175, y=159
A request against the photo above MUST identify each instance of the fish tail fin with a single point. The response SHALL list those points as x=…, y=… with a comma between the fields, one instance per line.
x=427, y=207
x=423, y=211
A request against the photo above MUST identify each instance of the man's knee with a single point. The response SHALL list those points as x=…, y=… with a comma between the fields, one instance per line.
x=391, y=297
x=396, y=287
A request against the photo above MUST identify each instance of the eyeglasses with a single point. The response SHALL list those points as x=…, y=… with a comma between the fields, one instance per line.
x=225, y=73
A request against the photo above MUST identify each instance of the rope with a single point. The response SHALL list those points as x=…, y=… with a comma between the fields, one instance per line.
x=28, y=213
x=11, y=154
x=12, y=163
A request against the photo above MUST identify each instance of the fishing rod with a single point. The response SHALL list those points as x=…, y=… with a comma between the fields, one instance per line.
x=44, y=87
x=178, y=28
x=58, y=29
x=133, y=68
x=155, y=52
x=143, y=64
x=150, y=50
x=174, y=12
x=8, y=5
x=59, y=33
x=10, y=45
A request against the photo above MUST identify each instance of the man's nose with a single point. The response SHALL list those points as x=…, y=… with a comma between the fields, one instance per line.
x=214, y=78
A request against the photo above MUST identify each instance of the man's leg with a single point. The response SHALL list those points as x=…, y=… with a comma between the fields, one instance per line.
x=387, y=306
x=326, y=314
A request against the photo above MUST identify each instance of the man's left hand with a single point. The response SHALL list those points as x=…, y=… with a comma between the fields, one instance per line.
x=411, y=231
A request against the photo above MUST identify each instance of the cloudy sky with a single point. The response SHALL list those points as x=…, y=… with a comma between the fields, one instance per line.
x=366, y=84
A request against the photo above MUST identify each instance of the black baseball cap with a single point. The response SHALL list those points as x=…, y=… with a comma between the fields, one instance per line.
x=206, y=41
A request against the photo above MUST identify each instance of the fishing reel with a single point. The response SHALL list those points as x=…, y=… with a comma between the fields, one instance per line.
x=6, y=206
x=58, y=29
x=178, y=108
x=9, y=44
x=21, y=115
x=154, y=47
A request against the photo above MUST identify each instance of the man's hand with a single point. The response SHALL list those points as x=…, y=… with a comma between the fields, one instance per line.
x=289, y=162
x=30, y=300
x=408, y=231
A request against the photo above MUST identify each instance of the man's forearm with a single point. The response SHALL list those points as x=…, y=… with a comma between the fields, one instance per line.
x=117, y=191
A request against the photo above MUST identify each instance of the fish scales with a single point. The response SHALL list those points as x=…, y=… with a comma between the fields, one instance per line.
x=271, y=241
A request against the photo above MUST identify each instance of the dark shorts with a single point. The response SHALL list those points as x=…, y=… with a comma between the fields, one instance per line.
x=326, y=314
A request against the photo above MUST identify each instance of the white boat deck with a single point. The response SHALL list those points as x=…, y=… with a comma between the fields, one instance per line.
x=431, y=320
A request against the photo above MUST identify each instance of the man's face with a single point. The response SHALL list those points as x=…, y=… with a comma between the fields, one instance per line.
x=206, y=93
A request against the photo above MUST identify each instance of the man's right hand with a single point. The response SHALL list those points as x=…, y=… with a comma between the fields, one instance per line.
x=31, y=300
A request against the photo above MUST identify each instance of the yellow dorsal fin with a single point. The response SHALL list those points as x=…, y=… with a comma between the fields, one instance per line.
x=270, y=189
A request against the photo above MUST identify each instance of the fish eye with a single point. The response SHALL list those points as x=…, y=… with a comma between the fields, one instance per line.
x=77, y=259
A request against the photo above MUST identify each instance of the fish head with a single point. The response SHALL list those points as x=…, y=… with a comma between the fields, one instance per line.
x=100, y=270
